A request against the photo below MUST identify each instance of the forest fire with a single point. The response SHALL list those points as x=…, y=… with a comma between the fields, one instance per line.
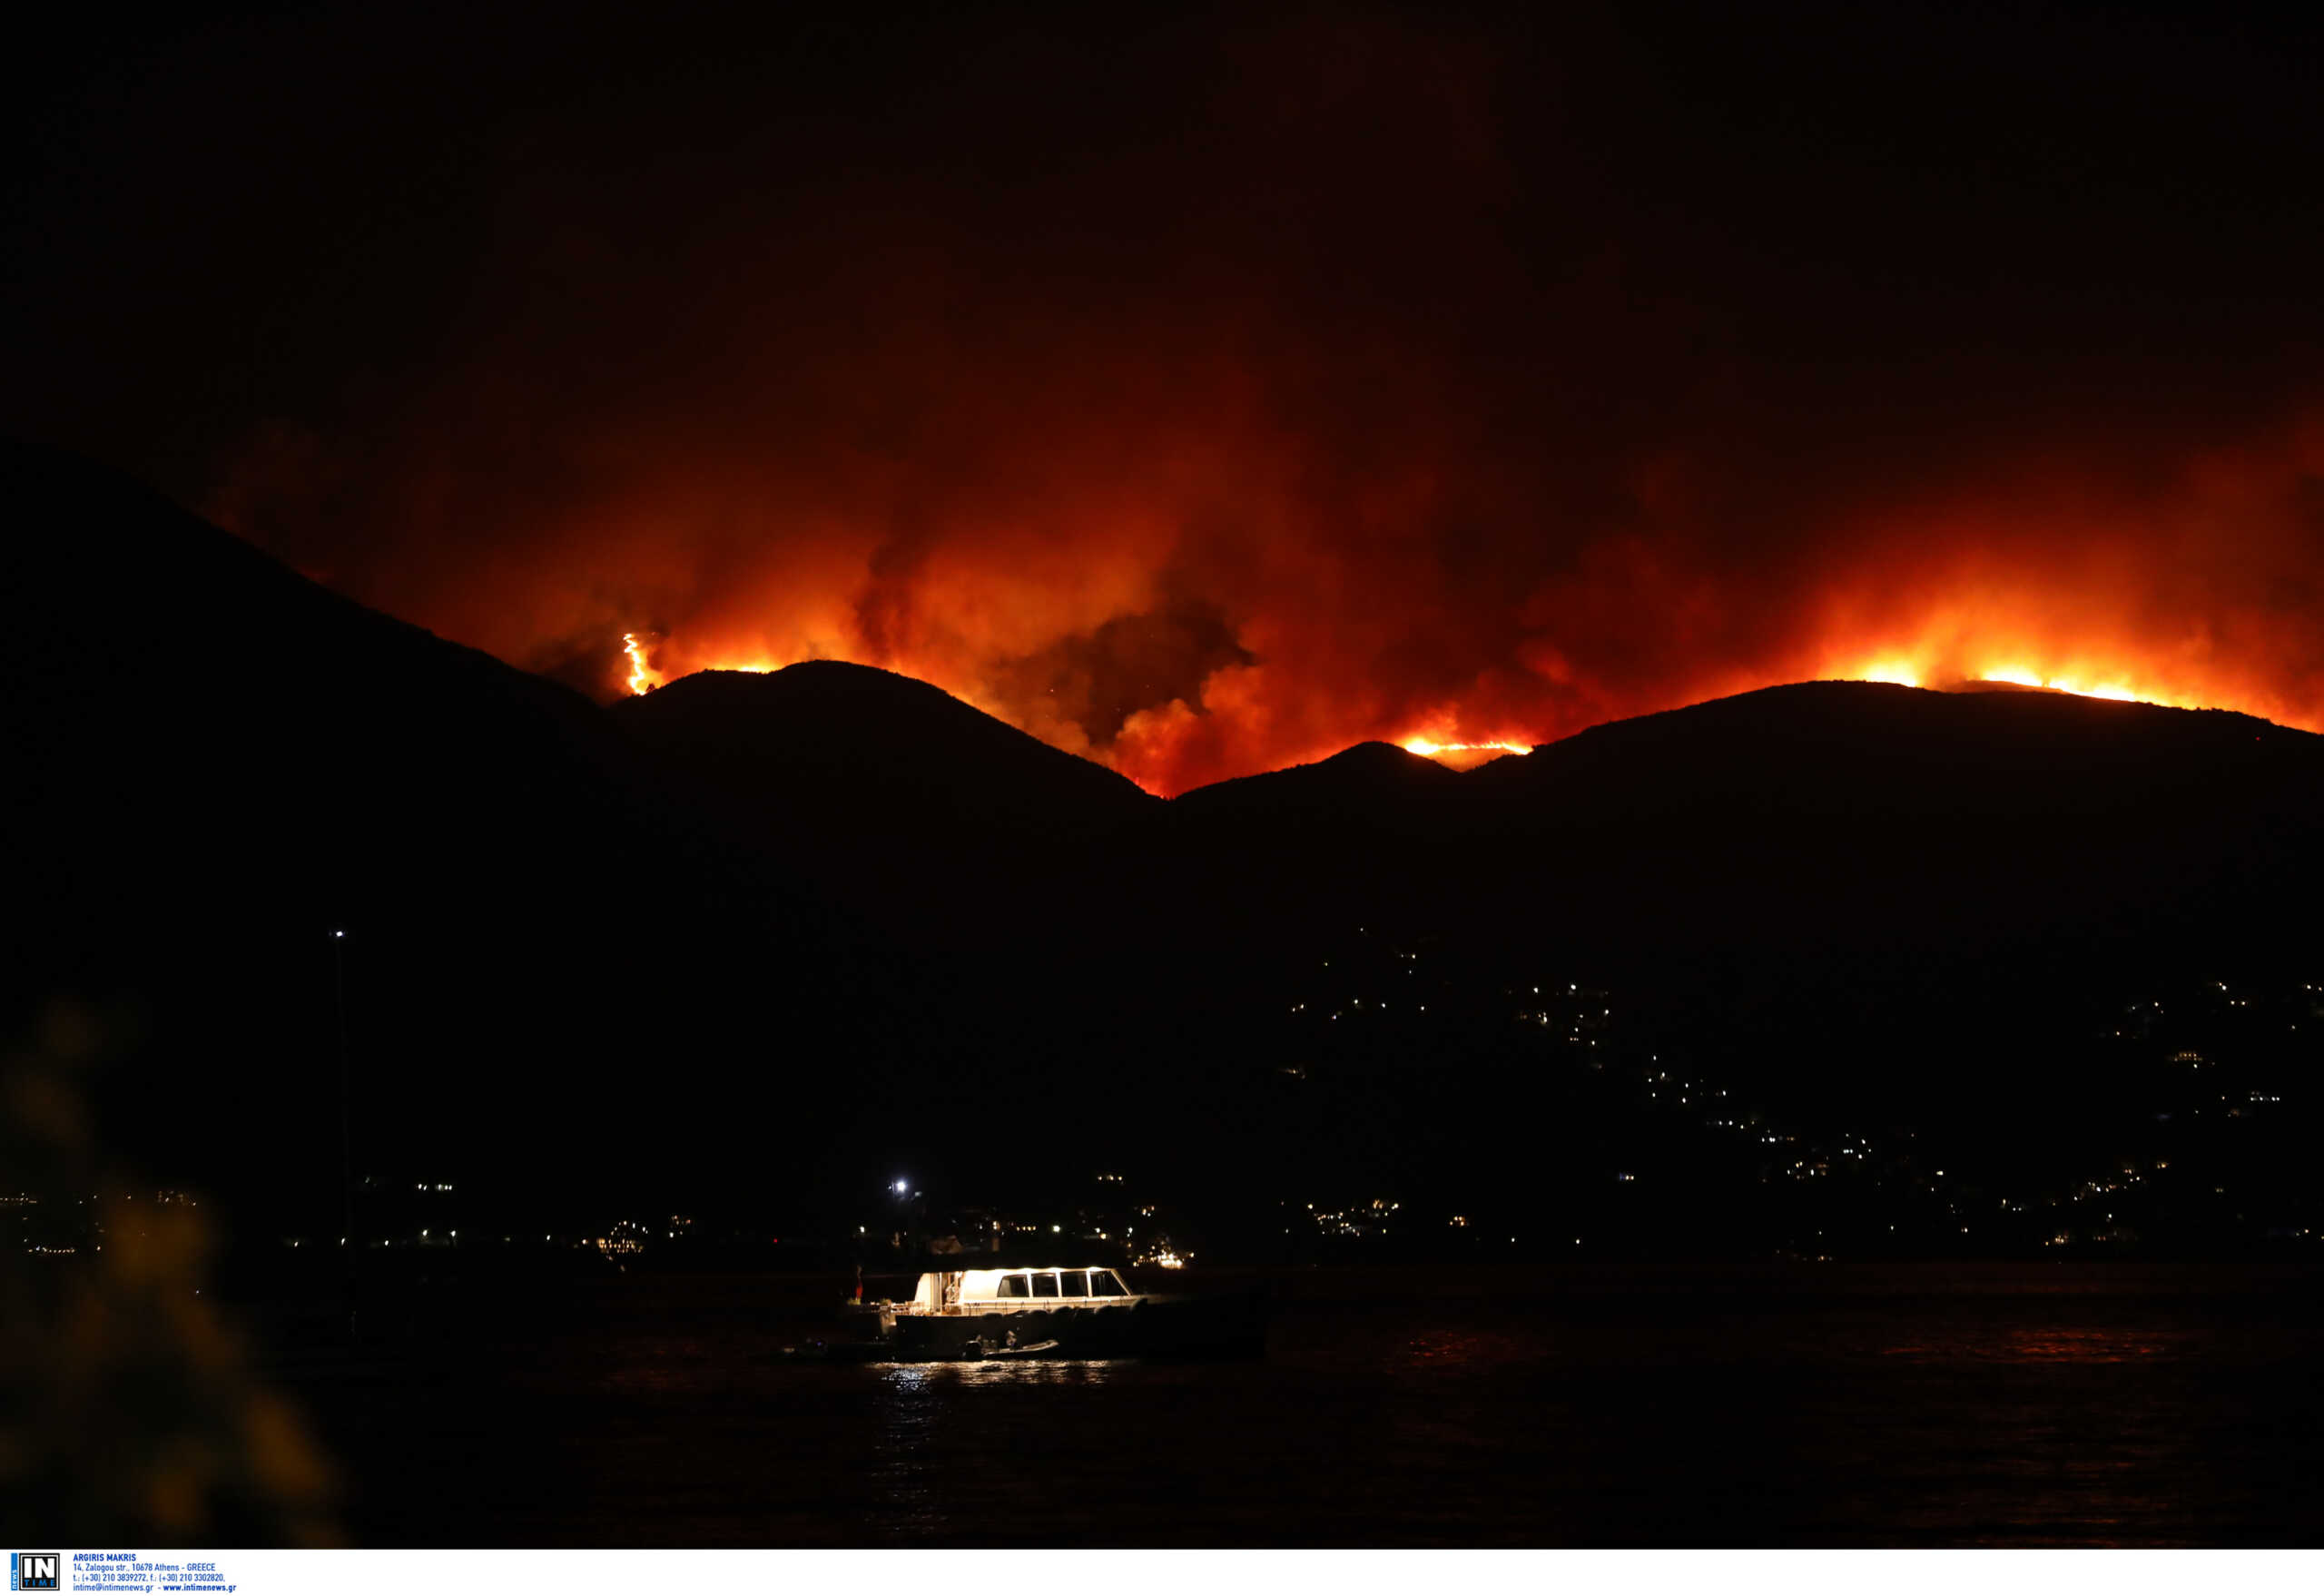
x=1225, y=731
x=1256, y=712
x=2001, y=671
x=2013, y=675
x=1463, y=755
x=643, y=678
x=2019, y=676
x=1241, y=506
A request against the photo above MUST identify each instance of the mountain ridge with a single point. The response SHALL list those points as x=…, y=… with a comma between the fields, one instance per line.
x=645, y=943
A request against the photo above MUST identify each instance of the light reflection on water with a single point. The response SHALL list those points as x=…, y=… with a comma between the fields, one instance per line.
x=2052, y=1344
x=1004, y=1372
x=1453, y=1349
x=2038, y=1419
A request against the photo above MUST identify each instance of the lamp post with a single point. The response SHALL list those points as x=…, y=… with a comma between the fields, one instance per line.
x=345, y=1140
x=908, y=1202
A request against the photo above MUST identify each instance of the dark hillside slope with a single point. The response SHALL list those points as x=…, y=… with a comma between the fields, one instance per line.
x=1828, y=816
x=929, y=815
x=1899, y=904
x=1004, y=864
x=869, y=739
x=1288, y=852
x=1371, y=784
x=215, y=762
x=1795, y=870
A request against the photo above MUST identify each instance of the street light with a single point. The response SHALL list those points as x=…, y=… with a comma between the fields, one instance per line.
x=346, y=1149
x=346, y=1141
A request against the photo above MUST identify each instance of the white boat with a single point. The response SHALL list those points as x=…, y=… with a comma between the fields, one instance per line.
x=1058, y=1311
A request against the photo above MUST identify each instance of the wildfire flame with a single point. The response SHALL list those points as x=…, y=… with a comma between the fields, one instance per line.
x=1945, y=664
x=643, y=678
x=1299, y=479
x=2081, y=685
x=1461, y=755
x=2019, y=676
x=1890, y=671
x=1428, y=750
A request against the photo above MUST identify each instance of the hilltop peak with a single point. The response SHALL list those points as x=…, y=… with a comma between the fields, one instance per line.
x=1366, y=773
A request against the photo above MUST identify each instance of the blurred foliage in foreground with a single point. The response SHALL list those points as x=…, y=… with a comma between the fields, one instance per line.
x=129, y=1414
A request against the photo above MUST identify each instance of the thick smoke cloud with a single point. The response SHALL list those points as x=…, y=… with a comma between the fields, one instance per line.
x=1207, y=399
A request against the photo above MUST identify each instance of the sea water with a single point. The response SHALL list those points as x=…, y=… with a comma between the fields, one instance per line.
x=2016, y=1404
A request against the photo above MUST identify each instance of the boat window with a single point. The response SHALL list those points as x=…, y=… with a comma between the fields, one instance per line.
x=1014, y=1286
x=1075, y=1281
x=1106, y=1283
x=1045, y=1283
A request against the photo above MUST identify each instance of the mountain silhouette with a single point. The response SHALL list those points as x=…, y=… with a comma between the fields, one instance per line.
x=217, y=763
x=1829, y=815
x=926, y=813
x=852, y=737
x=746, y=933
x=1368, y=779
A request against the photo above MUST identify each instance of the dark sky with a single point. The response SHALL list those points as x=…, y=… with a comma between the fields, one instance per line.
x=1208, y=392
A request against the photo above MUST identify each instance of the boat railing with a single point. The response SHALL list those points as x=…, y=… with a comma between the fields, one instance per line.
x=1036, y=1305
x=1016, y=1305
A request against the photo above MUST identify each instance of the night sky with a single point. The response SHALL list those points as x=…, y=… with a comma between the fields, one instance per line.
x=1210, y=391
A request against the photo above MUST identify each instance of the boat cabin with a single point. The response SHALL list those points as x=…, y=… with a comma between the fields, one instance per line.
x=1007, y=1291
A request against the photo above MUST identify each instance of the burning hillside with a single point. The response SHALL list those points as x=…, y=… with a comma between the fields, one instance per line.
x=1339, y=377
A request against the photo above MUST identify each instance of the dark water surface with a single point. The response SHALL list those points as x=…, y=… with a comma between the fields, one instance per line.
x=1923, y=1405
